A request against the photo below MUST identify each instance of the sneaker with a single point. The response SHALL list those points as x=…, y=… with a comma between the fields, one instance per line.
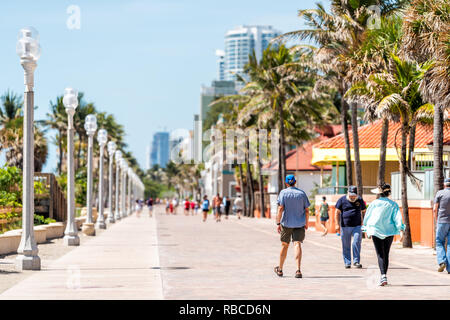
x=441, y=267
x=358, y=265
x=383, y=281
x=348, y=266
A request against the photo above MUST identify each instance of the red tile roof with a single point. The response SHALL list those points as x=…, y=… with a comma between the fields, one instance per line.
x=369, y=137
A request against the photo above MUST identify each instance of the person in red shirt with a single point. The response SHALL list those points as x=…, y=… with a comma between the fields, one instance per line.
x=192, y=207
x=187, y=205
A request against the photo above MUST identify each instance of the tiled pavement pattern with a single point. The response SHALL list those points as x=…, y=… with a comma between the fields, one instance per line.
x=120, y=263
x=233, y=259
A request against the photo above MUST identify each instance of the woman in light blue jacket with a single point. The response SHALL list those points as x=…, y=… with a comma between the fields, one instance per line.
x=382, y=221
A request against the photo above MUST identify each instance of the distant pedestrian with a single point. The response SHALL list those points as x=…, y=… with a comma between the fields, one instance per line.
x=187, y=205
x=349, y=211
x=441, y=211
x=324, y=209
x=382, y=221
x=167, y=202
x=171, y=206
x=193, y=203
x=217, y=201
x=205, y=207
x=239, y=206
x=174, y=206
x=197, y=206
x=227, y=204
x=292, y=221
x=138, y=207
x=150, y=206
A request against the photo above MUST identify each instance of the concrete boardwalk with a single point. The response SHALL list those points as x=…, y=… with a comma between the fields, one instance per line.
x=181, y=257
x=121, y=263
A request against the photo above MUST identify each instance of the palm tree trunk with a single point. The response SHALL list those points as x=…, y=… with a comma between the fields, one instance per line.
x=383, y=146
x=358, y=169
x=249, y=180
x=241, y=181
x=60, y=154
x=280, y=176
x=412, y=141
x=438, y=153
x=407, y=242
x=348, y=158
x=261, y=181
x=282, y=156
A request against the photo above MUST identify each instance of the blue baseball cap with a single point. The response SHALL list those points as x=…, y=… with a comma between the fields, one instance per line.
x=447, y=181
x=290, y=179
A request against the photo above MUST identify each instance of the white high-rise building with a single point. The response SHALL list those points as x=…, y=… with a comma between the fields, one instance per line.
x=240, y=42
x=220, y=64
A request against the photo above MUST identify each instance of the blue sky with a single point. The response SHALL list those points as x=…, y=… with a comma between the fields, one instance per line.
x=143, y=61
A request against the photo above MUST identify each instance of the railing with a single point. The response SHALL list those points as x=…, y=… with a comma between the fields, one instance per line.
x=57, y=204
x=341, y=190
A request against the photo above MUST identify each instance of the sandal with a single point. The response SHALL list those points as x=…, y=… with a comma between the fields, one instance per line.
x=278, y=271
x=298, y=274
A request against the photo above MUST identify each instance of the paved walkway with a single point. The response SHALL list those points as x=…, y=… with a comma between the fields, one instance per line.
x=180, y=257
x=120, y=263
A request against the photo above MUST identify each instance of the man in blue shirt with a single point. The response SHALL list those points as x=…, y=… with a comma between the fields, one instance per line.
x=293, y=211
x=349, y=210
x=441, y=210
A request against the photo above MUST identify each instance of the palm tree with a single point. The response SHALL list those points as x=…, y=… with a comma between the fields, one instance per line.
x=57, y=120
x=338, y=34
x=426, y=33
x=396, y=94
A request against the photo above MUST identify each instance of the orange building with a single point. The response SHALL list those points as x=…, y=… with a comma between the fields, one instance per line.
x=332, y=152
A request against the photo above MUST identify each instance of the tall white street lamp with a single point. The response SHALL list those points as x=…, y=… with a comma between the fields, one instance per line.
x=124, y=167
x=29, y=51
x=111, y=150
x=70, y=101
x=118, y=156
x=90, y=125
x=102, y=138
x=130, y=204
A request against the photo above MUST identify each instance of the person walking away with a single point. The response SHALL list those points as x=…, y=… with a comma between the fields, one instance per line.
x=293, y=210
x=187, y=205
x=349, y=210
x=382, y=222
x=138, y=209
x=239, y=206
x=205, y=207
x=171, y=206
x=167, y=205
x=441, y=213
x=324, y=209
x=196, y=206
x=217, y=201
x=150, y=206
x=174, y=206
x=227, y=204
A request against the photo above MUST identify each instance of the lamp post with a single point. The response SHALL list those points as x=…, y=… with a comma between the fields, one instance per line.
x=70, y=101
x=102, y=138
x=124, y=167
x=29, y=51
x=118, y=156
x=111, y=150
x=90, y=125
x=130, y=204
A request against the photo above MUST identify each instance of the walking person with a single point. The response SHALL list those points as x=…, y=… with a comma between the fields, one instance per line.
x=239, y=206
x=382, y=222
x=205, y=207
x=187, y=205
x=227, y=204
x=441, y=212
x=217, y=201
x=150, y=206
x=193, y=204
x=167, y=201
x=349, y=211
x=293, y=211
x=324, y=216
